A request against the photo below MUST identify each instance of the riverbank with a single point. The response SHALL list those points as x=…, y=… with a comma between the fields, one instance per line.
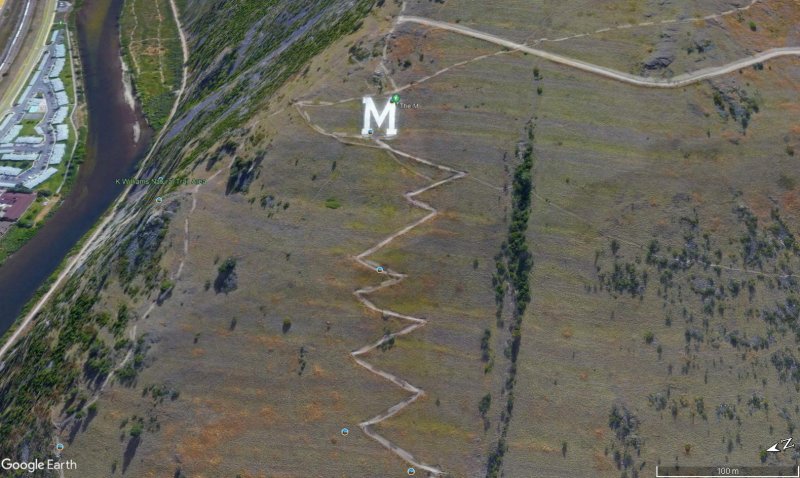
x=51, y=193
x=151, y=49
x=110, y=152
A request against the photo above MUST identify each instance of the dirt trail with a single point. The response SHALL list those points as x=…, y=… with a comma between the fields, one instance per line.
x=186, y=224
x=362, y=259
x=131, y=36
x=395, y=278
x=713, y=16
x=675, y=82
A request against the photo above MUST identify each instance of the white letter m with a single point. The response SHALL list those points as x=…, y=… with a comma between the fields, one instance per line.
x=370, y=110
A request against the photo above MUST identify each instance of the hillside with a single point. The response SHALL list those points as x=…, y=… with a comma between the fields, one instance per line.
x=571, y=270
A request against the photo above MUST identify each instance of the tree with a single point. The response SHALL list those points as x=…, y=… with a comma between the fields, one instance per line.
x=484, y=404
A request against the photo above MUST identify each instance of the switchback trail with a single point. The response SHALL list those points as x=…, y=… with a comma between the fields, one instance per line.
x=395, y=278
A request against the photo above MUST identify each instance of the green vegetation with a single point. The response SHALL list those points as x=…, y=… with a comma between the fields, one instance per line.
x=485, y=403
x=226, y=276
x=29, y=127
x=221, y=31
x=139, y=254
x=332, y=203
x=243, y=172
x=625, y=426
x=152, y=51
x=514, y=265
x=136, y=429
x=648, y=337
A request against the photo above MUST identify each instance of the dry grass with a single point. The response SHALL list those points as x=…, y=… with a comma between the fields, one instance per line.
x=611, y=162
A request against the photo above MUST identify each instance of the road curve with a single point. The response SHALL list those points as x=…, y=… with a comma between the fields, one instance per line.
x=674, y=82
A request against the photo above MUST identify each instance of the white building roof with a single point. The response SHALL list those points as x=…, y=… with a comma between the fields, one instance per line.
x=59, y=150
x=40, y=178
x=57, y=68
x=62, y=98
x=29, y=139
x=57, y=84
x=12, y=133
x=60, y=51
x=17, y=156
x=62, y=132
x=10, y=171
x=60, y=115
x=5, y=122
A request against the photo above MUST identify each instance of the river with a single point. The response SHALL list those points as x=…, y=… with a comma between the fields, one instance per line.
x=111, y=153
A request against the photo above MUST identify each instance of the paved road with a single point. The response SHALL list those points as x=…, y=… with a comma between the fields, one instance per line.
x=28, y=63
x=675, y=82
x=10, y=52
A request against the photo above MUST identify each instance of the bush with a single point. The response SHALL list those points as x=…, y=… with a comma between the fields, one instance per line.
x=166, y=285
x=226, y=280
x=136, y=430
x=484, y=404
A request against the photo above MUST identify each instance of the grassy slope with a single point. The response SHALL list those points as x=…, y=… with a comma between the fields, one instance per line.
x=675, y=171
x=49, y=363
x=244, y=385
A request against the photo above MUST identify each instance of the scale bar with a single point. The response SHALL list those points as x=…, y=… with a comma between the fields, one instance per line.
x=728, y=472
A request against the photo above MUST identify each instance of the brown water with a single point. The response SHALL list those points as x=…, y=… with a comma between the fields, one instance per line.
x=111, y=154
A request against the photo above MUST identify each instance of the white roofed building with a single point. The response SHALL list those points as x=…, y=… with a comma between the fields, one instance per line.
x=29, y=140
x=10, y=171
x=57, y=84
x=40, y=178
x=58, y=153
x=57, y=68
x=60, y=115
x=62, y=132
x=18, y=156
x=13, y=132
x=62, y=98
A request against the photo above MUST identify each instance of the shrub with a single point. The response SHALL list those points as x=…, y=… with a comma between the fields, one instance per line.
x=484, y=404
x=226, y=280
x=136, y=430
